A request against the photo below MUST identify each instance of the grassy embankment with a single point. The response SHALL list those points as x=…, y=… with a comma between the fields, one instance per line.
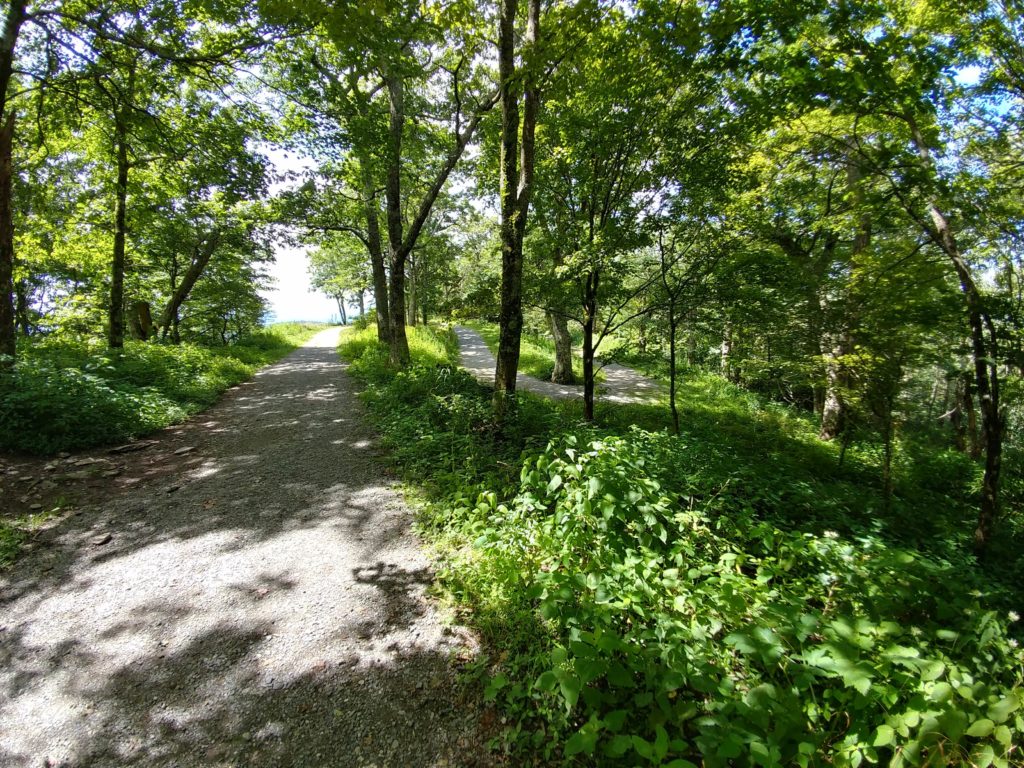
x=66, y=395
x=730, y=596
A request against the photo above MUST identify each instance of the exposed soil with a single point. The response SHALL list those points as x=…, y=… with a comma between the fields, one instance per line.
x=244, y=590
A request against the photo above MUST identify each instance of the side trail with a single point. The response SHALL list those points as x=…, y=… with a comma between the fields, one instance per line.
x=266, y=608
x=621, y=384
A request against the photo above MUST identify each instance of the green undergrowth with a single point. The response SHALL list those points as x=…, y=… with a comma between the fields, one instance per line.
x=728, y=597
x=66, y=395
x=536, y=353
x=15, y=531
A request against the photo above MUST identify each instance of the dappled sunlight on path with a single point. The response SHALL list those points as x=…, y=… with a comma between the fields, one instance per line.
x=268, y=607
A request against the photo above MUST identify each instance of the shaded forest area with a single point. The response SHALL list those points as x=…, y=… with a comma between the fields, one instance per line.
x=804, y=218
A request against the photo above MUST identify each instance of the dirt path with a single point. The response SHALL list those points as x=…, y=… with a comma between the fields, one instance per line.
x=621, y=385
x=265, y=608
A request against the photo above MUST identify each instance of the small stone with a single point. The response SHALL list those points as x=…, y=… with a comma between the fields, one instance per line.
x=85, y=462
x=63, y=455
x=183, y=451
x=112, y=473
x=50, y=467
x=35, y=507
x=173, y=488
x=82, y=475
x=99, y=541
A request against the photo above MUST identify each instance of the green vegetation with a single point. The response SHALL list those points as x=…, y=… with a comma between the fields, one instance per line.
x=730, y=596
x=536, y=352
x=64, y=395
x=14, y=532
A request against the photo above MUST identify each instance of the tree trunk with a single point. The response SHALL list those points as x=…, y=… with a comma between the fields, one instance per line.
x=589, y=321
x=515, y=188
x=973, y=438
x=985, y=352
x=362, y=302
x=397, y=342
x=833, y=411
x=21, y=315
x=672, y=326
x=8, y=40
x=340, y=298
x=563, y=350
x=376, y=248
x=726, y=351
x=200, y=259
x=412, y=292
x=115, y=327
x=140, y=320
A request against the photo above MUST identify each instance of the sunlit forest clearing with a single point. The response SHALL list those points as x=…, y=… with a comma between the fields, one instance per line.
x=797, y=228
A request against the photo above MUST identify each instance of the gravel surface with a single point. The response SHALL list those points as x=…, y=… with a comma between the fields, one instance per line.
x=265, y=606
x=621, y=385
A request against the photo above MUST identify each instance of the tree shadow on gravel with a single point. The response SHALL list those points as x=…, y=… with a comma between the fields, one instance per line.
x=274, y=458
x=170, y=674
x=208, y=703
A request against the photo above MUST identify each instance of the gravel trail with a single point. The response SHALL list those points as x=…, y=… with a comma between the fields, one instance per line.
x=265, y=608
x=621, y=384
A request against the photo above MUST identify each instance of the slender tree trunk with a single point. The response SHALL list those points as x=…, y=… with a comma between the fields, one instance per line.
x=833, y=411
x=673, y=323
x=115, y=326
x=200, y=259
x=21, y=316
x=589, y=322
x=362, y=302
x=340, y=299
x=398, y=253
x=984, y=350
x=516, y=186
x=412, y=291
x=725, y=363
x=13, y=20
x=562, y=373
x=973, y=438
x=7, y=315
x=376, y=248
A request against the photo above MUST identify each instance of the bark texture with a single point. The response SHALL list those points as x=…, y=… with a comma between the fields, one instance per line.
x=13, y=20
x=562, y=374
x=516, y=186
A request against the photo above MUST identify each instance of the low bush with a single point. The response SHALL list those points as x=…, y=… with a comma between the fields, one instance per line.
x=726, y=597
x=64, y=395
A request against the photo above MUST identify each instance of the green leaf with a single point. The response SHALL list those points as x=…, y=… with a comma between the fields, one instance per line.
x=571, y=687
x=981, y=728
x=884, y=736
x=643, y=748
x=660, y=743
x=1000, y=711
x=619, y=745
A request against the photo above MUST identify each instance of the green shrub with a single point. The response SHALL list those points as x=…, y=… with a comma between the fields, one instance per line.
x=727, y=597
x=65, y=395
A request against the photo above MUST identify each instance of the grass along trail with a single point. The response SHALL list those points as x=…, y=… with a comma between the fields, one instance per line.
x=265, y=608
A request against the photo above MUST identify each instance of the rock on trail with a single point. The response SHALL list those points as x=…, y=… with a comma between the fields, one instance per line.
x=270, y=611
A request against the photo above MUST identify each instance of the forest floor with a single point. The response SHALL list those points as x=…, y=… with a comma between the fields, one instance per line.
x=261, y=602
x=621, y=384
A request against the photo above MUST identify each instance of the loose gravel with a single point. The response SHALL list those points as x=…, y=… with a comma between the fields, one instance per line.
x=266, y=607
x=621, y=384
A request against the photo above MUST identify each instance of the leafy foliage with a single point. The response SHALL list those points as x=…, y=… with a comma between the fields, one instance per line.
x=64, y=395
x=689, y=600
